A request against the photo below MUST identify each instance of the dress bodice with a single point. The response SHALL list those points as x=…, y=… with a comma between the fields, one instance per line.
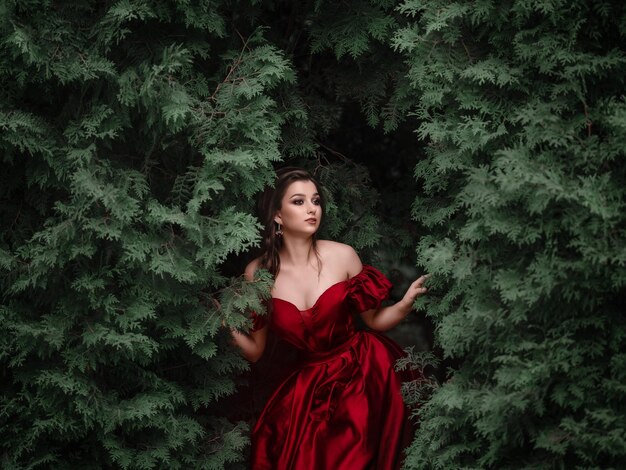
x=329, y=322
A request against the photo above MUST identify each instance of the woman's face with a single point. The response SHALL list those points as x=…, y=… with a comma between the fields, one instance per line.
x=300, y=211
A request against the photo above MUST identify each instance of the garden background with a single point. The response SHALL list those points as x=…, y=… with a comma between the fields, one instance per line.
x=480, y=141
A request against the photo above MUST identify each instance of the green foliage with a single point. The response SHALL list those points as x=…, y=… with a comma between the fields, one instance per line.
x=133, y=137
x=523, y=194
x=348, y=29
x=356, y=224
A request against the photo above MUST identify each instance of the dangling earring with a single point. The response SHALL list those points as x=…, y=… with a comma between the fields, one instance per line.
x=279, y=232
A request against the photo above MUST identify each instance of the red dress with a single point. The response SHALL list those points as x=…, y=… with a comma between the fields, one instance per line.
x=341, y=409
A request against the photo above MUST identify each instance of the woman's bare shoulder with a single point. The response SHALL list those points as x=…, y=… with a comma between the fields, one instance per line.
x=251, y=268
x=333, y=248
x=340, y=252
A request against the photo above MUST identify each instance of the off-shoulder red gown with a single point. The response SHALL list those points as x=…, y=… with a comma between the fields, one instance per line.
x=341, y=409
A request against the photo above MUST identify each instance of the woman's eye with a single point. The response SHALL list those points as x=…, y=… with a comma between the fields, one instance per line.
x=316, y=202
x=298, y=202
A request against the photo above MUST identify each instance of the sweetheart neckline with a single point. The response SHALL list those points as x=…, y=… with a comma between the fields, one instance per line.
x=318, y=298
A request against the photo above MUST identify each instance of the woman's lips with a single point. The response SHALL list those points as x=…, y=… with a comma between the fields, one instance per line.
x=311, y=221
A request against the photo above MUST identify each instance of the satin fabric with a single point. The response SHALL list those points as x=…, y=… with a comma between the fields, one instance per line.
x=341, y=408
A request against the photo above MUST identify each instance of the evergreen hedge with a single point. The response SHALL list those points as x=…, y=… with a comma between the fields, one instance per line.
x=523, y=194
x=135, y=135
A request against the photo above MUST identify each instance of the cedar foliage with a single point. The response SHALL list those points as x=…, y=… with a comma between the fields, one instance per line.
x=133, y=137
x=523, y=197
x=521, y=200
x=136, y=134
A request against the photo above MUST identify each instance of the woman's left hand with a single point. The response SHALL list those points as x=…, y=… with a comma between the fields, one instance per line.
x=415, y=290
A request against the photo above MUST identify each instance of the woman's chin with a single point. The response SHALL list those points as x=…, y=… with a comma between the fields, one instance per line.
x=305, y=233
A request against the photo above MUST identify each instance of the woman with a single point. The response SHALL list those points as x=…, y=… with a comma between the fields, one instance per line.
x=341, y=409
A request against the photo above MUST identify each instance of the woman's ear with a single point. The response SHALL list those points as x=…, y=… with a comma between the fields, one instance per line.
x=278, y=219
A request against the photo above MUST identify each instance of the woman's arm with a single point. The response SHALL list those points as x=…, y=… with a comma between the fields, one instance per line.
x=251, y=345
x=386, y=318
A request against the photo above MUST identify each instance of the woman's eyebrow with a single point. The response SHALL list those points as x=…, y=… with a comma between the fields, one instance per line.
x=303, y=195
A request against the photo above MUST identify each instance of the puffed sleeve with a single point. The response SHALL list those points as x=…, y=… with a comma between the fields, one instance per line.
x=258, y=321
x=368, y=289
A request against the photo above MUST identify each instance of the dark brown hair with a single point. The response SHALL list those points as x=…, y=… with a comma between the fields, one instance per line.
x=269, y=203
